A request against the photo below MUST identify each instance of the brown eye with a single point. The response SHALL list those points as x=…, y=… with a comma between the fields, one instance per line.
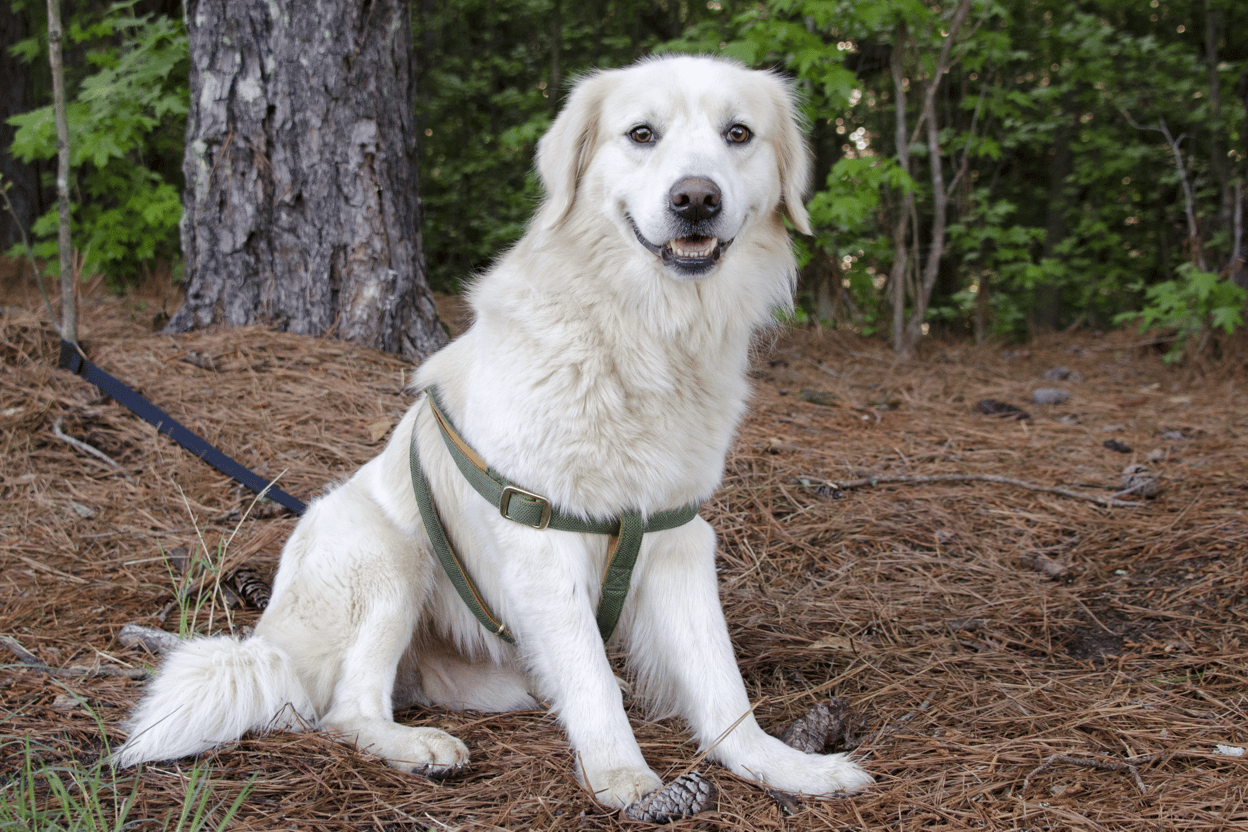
x=739, y=134
x=641, y=134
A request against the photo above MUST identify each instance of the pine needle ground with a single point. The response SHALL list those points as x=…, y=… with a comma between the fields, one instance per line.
x=1023, y=660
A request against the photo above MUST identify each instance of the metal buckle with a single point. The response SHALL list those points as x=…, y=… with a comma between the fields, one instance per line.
x=505, y=500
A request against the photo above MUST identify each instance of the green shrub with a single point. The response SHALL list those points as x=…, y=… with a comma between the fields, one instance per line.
x=1195, y=306
x=127, y=122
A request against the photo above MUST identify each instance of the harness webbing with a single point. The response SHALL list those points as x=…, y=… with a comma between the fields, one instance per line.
x=529, y=509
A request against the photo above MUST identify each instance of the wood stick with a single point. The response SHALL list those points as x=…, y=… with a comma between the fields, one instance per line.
x=914, y=479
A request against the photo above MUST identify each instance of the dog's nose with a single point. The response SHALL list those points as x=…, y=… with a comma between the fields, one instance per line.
x=695, y=199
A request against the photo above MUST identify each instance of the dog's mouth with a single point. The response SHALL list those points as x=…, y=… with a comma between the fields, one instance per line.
x=691, y=256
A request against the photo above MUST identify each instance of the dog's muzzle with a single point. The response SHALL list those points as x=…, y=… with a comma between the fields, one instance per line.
x=691, y=256
x=695, y=203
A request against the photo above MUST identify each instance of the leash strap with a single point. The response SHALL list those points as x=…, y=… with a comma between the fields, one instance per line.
x=73, y=360
x=527, y=508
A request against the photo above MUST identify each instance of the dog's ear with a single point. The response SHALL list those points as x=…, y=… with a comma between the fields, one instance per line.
x=793, y=156
x=564, y=152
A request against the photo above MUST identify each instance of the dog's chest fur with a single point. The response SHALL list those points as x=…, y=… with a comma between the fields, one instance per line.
x=589, y=401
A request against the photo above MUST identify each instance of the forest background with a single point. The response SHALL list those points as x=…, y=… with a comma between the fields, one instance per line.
x=986, y=169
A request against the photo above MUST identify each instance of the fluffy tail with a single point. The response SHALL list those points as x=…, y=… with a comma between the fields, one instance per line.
x=211, y=691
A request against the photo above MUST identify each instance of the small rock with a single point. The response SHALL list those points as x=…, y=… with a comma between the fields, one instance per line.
x=819, y=397
x=1048, y=567
x=992, y=407
x=1060, y=373
x=1119, y=447
x=1049, y=395
x=156, y=642
x=1137, y=479
x=1174, y=436
x=66, y=702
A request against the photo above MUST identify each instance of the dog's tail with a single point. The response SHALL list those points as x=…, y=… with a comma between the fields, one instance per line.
x=211, y=691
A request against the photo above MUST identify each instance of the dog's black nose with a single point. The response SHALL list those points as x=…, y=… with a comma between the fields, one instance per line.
x=695, y=199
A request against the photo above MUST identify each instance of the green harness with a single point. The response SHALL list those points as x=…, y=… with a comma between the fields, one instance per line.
x=529, y=509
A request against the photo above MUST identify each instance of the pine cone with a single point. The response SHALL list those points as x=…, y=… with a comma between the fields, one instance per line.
x=827, y=727
x=250, y=586
x=687, y=795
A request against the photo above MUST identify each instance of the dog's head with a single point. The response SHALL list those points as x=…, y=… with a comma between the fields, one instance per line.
x=683, y=154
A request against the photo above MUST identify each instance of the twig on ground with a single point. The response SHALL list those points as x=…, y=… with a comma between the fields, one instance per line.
x=30, y=660
x=914, y=479
x=1089, y=762
x=83, y=446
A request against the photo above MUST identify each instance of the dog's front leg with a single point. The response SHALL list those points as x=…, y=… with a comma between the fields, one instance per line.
x=548, y=580
x=678, y=643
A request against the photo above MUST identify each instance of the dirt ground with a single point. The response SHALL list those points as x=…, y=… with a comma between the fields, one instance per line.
x=1017, y=658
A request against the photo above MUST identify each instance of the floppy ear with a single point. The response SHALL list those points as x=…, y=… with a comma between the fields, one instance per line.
x=564, y=152
x=793, y=156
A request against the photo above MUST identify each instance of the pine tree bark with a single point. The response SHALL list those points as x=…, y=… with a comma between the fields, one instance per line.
x=23, y=179
x=301, y=206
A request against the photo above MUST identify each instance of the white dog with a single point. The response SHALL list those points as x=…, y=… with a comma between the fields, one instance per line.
x=606, y=372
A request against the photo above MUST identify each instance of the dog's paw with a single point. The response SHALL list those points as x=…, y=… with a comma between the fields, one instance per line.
x=837, y=774
x=620, y=787
x=814, y=775
x=428, y=752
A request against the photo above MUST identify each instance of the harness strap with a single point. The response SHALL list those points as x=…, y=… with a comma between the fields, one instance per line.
x=446, y=555
x=527, y=508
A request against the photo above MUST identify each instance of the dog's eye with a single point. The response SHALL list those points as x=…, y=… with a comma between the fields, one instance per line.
x=739, y=134
x=642, y=134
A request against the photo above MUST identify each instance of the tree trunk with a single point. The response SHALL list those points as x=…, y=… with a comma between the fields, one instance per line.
x=24, y=192
x=1047, y=313
x=69, y=295
x=301, y=206
x=897, y=276
x=1217, y=154
x=940, y=196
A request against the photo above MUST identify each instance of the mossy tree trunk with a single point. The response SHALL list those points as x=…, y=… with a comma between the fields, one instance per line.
x=301, y=203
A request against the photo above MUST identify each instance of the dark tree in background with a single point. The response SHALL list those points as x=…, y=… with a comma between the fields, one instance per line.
x=23, y=179
x=301, y=205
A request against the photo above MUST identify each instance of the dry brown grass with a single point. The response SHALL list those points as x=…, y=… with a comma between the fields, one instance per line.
x=998, y=698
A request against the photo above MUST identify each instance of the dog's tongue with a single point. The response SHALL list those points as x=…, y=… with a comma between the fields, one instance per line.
x=693, y=247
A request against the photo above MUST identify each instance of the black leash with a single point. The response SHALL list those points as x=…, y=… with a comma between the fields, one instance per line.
x=73, y=360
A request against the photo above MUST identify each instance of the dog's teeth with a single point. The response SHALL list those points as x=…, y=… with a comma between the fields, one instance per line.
x=686, y=249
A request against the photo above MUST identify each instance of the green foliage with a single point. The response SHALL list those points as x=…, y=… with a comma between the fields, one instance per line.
x=47, y=795
x=851, y=194
x=1067, y=197
x=1094, y=227
x=126, y=130
x=1194, y=306
x=487, y=89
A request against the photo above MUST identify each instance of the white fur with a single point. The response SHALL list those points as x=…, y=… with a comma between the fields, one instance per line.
x=593, y=374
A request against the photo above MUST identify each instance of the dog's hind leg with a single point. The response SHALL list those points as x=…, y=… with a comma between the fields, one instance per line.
x=448, y=680
x=362, y=709
x=346, y=613
x=678, y=643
